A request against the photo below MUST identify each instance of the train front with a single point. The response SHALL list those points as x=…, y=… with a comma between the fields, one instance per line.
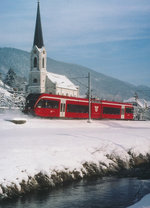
x=30, y=102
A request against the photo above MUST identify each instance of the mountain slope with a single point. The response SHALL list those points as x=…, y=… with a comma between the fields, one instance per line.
x=102, y=86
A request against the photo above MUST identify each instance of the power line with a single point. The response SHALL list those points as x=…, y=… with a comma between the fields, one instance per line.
x=75, y=78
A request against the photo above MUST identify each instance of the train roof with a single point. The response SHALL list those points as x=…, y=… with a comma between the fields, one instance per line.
x=115, y=102
x=62, y=96
x=38, y=96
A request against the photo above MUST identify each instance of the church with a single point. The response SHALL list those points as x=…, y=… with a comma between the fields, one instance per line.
x=40, y=80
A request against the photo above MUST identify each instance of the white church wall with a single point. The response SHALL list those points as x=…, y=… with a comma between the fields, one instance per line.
x=50, y=87
x=66, y=92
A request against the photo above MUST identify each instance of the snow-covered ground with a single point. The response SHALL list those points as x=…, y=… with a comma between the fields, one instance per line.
x=143, y=203
x=51, y=146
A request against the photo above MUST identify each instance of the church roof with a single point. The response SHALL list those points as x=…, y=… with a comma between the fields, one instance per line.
x=38, y=36
x=61, y=81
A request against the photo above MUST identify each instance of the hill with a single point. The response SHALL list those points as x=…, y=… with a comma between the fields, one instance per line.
x=103, y=86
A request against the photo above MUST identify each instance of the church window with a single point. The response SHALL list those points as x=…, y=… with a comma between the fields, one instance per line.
x=43, y=63
x=35, y=62
x=35, y=81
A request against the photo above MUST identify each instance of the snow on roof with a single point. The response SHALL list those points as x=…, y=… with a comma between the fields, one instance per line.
x=130, y=100
x=61, y=81
x=148, y=104
x=4, y=85
x=4, y=92
x=141, y=102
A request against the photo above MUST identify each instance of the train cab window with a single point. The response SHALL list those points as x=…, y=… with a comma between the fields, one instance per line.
x=129, y=110
x=77, y=108
x=109, y=110
x=41, y=104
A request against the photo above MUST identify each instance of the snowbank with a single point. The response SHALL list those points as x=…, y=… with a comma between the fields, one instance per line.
x=43, y=153
x=143, y=203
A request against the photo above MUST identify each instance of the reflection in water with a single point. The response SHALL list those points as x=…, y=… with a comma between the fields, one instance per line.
x=100, y=193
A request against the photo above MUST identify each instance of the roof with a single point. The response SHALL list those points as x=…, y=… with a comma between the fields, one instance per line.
x=141, y=102
x=61, y=81
x=38, y=36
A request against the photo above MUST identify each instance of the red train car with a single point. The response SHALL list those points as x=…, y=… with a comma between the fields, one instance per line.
x=56, y=106
x=116, y=110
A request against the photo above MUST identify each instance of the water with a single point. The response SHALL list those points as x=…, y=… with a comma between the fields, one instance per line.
x=100, y=193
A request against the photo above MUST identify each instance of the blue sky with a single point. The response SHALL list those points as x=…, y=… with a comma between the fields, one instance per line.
x=111, y=37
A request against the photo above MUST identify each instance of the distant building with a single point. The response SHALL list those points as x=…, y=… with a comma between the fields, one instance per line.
x=41, y=81
x=141, y=108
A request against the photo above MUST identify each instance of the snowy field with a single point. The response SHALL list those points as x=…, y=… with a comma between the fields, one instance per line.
x=49, y=146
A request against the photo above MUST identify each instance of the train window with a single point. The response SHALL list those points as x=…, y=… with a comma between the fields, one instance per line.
x=129, y=110
x=48, y=104
x=71, y=108
x=51, y=104
x=109, y=110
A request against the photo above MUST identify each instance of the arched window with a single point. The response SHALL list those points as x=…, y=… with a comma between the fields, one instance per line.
x=35, y=62
x=35, y=81
x=43, y=63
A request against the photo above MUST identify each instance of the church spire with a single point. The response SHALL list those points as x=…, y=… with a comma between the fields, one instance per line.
x=38, y=37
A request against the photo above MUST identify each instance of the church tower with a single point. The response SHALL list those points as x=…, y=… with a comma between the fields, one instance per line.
x=37, y=75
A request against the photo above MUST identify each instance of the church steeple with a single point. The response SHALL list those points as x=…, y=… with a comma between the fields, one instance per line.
x=38, y=72
x=38, y=36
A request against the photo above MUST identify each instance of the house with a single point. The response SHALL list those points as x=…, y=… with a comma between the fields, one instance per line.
x=141, y=108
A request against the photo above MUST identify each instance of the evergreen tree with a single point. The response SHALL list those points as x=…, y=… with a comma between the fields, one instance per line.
x=10, y=78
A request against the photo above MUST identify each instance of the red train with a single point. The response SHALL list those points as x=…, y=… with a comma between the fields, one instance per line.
x=48, y=105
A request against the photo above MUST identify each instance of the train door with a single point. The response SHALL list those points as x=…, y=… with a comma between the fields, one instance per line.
x=129, y=113
x=122, y=112
x=62, y=108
